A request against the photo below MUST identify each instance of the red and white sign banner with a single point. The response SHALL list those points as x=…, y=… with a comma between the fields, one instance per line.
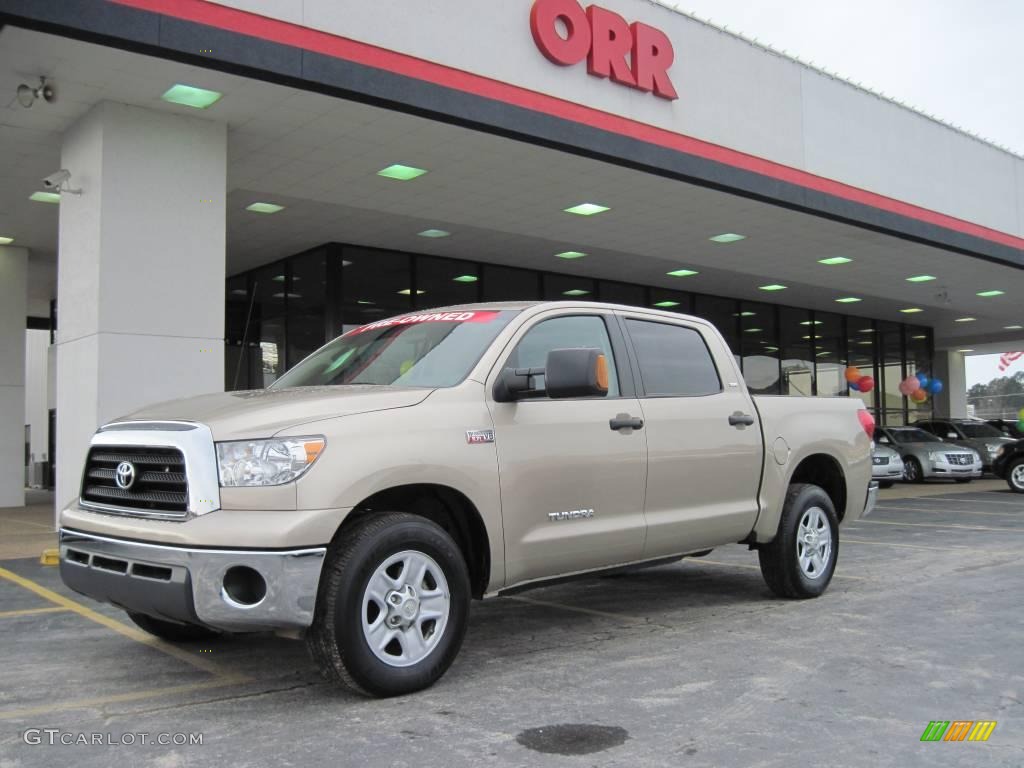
x=478, y=316
x=1007, y=359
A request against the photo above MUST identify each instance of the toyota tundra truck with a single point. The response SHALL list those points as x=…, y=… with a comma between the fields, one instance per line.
x=414, y=463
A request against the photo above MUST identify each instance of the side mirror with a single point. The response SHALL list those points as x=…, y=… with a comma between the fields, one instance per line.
x=567, y=373
x=576, y=373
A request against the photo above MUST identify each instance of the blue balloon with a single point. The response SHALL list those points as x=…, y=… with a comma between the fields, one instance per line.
x=923, y=380
x=854, y=387
x=935, y=386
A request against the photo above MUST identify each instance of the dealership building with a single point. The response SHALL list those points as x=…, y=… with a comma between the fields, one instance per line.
x=246, y=179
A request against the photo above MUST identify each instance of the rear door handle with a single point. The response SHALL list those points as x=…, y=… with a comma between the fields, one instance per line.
x=740, y=419
x=625, y=421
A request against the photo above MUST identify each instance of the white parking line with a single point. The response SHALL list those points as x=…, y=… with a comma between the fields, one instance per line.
x=951, y=511
x=1018, y=504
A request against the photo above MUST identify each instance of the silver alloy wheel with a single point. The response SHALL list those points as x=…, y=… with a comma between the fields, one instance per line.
x=910, y=471
x=814, y=543
x=405, y=608
x=1017, y=476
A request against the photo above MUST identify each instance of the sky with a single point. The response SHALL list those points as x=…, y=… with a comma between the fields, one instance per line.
x=960, y=60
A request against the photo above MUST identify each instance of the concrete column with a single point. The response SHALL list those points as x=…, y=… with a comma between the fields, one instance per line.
x=13, y=308
x=140, y=280
x=951, y=368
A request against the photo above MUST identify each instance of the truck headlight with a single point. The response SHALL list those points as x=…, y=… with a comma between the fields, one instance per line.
x=992, y=448
x=266, y=462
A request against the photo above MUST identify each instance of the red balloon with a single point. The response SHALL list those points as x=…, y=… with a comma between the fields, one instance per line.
x=865, y=383
x=919, y=396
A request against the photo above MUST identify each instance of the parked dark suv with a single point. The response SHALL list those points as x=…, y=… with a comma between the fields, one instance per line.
x=1009, y=465
x=970, y=433
x=1008, y=428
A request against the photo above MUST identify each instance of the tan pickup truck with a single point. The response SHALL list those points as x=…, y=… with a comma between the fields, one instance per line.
x=418, y=462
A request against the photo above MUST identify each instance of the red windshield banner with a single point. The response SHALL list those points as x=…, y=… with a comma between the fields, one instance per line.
x=485, y=316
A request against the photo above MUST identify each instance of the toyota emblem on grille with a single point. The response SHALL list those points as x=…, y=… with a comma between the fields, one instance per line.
x=124, y=475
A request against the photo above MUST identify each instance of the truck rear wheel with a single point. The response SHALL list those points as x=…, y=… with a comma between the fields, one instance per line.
x=169, y=630
x=392, y=607
x=799, y=563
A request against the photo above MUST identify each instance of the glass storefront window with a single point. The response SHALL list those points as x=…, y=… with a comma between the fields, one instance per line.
x=567, y=288
x=288, y=309
x=509, y=284
x=723, y=313
x=799, y=335
x=237, y=303
x=759, y=346
x=621, y=293
x=374, y=285
x=830, y=355
x=890, y=340
x=919, y=360
x=307, y=305
x=671, y=301
x=860, y=349
x=444, y=282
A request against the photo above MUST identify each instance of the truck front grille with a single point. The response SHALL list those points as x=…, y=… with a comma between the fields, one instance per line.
x=134, y=480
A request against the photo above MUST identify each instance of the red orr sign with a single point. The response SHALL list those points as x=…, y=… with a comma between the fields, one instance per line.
x=637, y=55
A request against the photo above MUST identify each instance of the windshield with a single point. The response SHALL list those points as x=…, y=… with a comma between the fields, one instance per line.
x=913, y=436
x=979, y=430
x=430, y=349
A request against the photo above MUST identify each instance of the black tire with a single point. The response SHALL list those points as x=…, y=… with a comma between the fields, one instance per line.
x=336, y=639
x=169, y=630
x=914, y=473
x=886, y=483
x=1018, y=467
x=779, y=563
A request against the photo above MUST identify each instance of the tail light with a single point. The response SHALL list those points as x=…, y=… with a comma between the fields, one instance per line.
x=867, y=421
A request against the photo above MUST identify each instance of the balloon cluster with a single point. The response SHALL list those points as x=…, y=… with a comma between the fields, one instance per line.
x=1020, y=420
x=858, y=381
x=919, y=386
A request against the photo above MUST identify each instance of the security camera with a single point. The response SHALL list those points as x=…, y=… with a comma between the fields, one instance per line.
x=55, y=179
x=59, y=181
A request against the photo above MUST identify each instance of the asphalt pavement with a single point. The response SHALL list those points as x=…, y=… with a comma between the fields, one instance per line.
x=692, y=664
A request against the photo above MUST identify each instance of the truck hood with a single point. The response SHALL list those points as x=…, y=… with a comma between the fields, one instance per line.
x=264, y=412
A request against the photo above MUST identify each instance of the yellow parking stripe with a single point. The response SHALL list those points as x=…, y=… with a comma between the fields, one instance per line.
x=61, y=706
x=130, y=632
x=30, y=612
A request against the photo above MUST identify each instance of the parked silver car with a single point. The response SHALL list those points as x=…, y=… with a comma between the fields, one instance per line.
x=926, y=457
x=886, y=466
x=970, y=433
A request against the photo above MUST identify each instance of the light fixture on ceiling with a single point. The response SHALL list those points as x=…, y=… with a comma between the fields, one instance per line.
x=6, y=240
x=191, y=96
x=682, y=273
x=575, y=292
x=27, y=95
x=587, y=209
x=989, y=294
x=400, y=172
x=848, y=300
x=727, y=237
x=570, y=255
x=465, y=279
x=666, y=304
x=264, y=207
x=834, y=261
x=773, y=287
x=434, y=233
x=1013, y=327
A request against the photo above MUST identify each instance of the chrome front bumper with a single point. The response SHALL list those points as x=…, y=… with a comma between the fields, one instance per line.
x=188, y=585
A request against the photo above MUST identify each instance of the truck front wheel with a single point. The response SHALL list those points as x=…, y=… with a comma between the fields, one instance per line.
x=800, y=561
x=392, y=607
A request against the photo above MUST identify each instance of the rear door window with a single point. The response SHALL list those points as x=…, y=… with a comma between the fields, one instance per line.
x=674, y=361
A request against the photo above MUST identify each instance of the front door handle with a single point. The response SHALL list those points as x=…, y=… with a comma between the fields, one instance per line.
x=740, y=419
x=625, y=421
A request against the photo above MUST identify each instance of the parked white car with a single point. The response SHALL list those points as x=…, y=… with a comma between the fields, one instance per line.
x=886, y=466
